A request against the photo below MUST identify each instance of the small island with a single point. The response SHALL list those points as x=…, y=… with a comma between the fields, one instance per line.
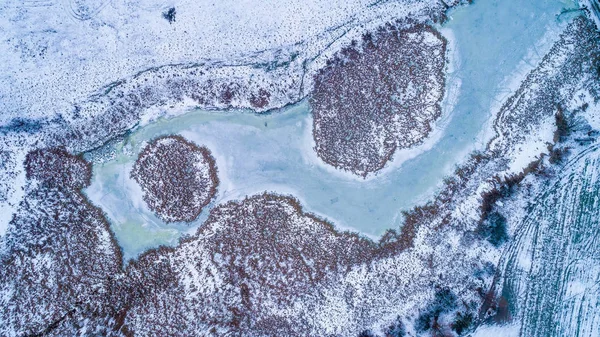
x=378, y=96
x=178, y=178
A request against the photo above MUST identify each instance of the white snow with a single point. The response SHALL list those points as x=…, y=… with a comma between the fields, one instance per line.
x=8, y=208
x=507, y=330
x=51, y=59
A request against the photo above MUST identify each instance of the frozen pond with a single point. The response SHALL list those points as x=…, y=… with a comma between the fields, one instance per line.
x=492, y=42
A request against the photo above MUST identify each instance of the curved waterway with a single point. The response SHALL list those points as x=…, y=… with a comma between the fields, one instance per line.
x=492, y=43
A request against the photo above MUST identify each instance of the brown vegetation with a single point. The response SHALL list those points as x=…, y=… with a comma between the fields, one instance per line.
x=241, y=272
x=267, y=251
x=178, y=178
x=378, y=97
x=61, y=261
x=57, y=167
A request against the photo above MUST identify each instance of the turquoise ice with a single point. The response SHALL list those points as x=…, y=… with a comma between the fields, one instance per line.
x=492, y=42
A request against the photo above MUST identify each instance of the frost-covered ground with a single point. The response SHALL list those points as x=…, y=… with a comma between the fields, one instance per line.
x=84, y=73
x=262, y=265
x=76, y=53
x=414, y=280
x=549, y=273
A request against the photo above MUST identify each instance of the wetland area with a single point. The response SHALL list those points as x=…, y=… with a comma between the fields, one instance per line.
x=427, y=168
x=487, y=57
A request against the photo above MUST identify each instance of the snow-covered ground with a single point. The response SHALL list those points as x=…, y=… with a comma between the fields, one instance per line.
x=56, y=53
x=77, y=73
x=407, y=273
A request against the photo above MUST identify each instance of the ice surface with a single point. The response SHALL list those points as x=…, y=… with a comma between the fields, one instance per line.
x=274, y=152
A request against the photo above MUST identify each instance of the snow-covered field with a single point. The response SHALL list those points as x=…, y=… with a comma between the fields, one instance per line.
x=56, y=53
x=80, y=73
x=77, y=73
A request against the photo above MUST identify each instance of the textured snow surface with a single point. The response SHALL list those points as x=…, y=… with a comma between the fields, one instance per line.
x=81, y=73
x=551, y=272
x=56, y=53
x=507, y=330
x=263, y=266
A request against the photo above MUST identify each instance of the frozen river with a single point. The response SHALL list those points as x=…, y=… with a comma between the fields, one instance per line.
x=492, y=45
